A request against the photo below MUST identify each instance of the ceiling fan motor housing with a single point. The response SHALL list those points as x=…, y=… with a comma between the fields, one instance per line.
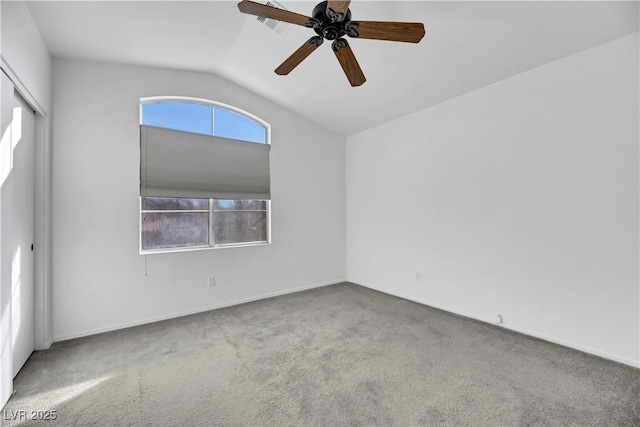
x=331, y=27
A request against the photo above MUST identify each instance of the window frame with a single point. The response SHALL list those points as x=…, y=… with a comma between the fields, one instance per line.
x=211, y=244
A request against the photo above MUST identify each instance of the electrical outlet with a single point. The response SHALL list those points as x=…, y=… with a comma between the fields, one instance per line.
x=418, y=276
x=211, y=281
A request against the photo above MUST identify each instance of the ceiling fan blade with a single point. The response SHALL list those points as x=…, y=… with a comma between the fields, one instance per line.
x=348, y=62
x=410, y=32
x=337, y=9
x=299, y=55
x=253, y=8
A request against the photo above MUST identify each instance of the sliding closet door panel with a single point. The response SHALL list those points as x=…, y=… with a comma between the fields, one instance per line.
x=23, y=221
x=6, y=243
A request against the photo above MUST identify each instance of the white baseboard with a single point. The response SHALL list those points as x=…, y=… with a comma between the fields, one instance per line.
x=45, y=346
x=544, y=337
x=95, y=331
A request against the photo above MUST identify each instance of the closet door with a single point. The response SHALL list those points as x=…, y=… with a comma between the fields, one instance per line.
x=23, y=232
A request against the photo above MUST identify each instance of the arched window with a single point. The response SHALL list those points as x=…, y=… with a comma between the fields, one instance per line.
x=204, y=175
x=203, y=117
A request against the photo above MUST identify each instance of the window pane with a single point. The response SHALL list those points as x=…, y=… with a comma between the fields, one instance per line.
x=226, y=205
x=260, y=205
x=238, y=227
x=174, y=204
x=174, y=230
x=236, y=126
x=185, y=116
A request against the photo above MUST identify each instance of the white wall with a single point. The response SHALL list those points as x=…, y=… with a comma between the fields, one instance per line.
x=25, y=54
x=520, y=198
x=25, y=59
x=99, y=278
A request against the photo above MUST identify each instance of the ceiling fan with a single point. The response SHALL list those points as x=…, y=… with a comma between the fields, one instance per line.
x=331, y=20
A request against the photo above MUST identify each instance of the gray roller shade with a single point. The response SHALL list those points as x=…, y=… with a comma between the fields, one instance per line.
x=182, y=164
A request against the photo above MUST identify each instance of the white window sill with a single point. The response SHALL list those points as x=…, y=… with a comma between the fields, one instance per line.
x=201, y=248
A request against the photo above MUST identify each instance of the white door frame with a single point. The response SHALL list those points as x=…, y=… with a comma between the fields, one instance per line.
x=42, y=262
x=42, y=255
x=43, y=315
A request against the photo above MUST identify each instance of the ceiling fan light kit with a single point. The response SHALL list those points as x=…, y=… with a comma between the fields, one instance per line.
x=331, y=20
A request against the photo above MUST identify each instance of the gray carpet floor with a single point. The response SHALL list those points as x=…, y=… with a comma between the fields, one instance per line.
x=333, y=356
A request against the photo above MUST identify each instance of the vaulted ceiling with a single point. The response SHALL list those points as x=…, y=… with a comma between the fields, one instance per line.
x=468, y=45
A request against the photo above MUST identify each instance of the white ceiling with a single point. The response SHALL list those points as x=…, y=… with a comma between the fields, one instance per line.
x=468, y=45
